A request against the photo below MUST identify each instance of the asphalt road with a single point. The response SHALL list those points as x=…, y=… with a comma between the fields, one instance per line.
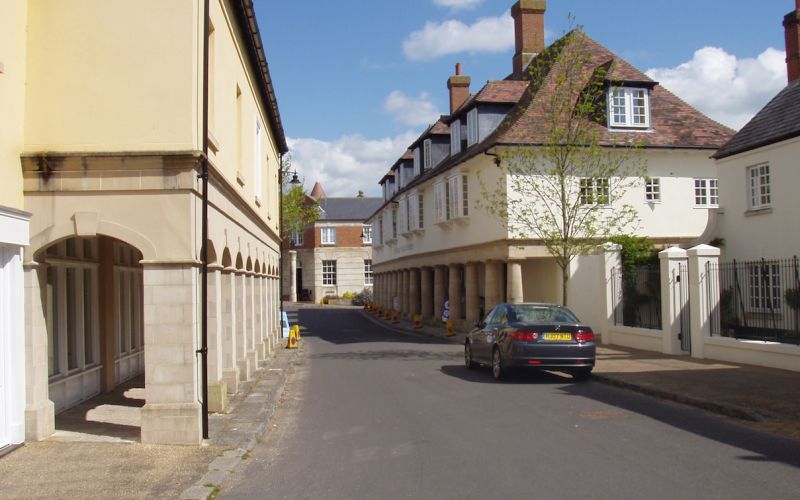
x=372, y=414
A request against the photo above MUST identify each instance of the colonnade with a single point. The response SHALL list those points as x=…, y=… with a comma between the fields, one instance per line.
x=470, y=289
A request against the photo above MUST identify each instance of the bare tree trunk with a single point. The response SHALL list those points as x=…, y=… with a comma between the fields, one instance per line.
x=564, y=285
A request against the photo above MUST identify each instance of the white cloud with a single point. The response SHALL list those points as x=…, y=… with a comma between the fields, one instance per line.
x=458, y=4
x=348, y=164
x=724, y=87
x=489, y=34
x=410, y=111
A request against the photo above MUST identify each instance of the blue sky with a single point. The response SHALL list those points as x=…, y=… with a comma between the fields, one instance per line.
x=357, y=81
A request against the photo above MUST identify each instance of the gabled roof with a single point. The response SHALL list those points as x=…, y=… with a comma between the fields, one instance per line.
x=317, y=192
x=438, y=128
x=348, y=209
x=495, y=92
x=674, y=123
x=777, y=121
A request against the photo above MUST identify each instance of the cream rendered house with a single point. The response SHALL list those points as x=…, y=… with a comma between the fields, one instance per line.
x=118, y=96
x=14, y=224
x=433, y=243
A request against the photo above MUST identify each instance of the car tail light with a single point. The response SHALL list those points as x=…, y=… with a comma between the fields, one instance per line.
x=524, y=336
x=586, y=335
x=534, y=362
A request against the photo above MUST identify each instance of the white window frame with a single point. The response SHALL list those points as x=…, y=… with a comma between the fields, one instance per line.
x=621, y=107
x=411, y=210
x=402, y=216
x=473, y=135
x=652, y=189
x=258, y=169
x=366, y=231
x=706, y=192
x=394, y=223
x=420, y=211
x=439, y=201
x=594, y=191
x=764, y=289
x=427, y=158
x=455, y=137
x=368, y=277
x=297, y=238
x=329, y=273
x=328, y=235
x=759, y=186
x=417, y=163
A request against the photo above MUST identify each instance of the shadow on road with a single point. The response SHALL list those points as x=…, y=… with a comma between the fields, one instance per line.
x=766, y=447
x=522, y=377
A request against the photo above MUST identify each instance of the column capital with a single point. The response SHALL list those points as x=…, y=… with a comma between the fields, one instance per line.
x=215, y=268
x=32, y=264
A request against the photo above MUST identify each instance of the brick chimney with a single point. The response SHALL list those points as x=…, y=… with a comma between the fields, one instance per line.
x=459, y=89
x=529, y=31
x=791, y=24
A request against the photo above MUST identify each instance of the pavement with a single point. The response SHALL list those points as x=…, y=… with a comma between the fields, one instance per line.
x=96, y=452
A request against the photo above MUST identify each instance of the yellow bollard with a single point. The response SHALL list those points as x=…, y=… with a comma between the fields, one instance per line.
x=395, y=317
x=292, y=343
x=296, y=329
x=417, y=321
x=450, y=331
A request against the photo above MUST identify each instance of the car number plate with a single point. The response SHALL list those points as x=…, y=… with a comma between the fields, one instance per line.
x=557, y=336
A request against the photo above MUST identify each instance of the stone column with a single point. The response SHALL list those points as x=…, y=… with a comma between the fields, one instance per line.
x=252, y=320
x=454, y=293
x=230, y=365
x=217, y=389
x=258, y=302
x=514, y=285
x=611, y=300
x=404, y=292
x=245, y=369
x=492, y=291
x=439, y=292
x=414, y=292
x=703, y=299
x=673, y=302
x=40, y=420
x=107, y=313
x=293, y=276
x=393, y=302
x=473, y=304
x=171, y=414
x=426, y=293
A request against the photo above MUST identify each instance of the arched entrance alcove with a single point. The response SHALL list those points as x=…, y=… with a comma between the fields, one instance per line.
x=92, y=299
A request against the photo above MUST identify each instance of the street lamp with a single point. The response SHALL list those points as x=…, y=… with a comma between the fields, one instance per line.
x=295, y=181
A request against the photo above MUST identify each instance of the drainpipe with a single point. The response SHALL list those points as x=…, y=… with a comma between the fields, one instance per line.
x=280, y=242
x=203, y=351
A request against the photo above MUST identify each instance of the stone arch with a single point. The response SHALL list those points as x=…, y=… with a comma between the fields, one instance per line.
x=212, y=253
x=58, y=232
x=249, y=265
x=257, y=267
x=239, y=262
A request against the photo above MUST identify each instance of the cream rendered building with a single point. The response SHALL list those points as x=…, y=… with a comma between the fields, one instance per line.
x=14, y=223
x=114, y=142
x=434, y=242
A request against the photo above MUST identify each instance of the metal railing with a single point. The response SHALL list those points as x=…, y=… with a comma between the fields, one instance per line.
x=638, y=293
x=758, y=300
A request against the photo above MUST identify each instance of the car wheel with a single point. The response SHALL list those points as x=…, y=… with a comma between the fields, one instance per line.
x=498, y=370
x=468, y=361
x=581, y=374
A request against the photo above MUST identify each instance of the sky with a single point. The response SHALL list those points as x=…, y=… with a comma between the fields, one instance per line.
x=358, y=80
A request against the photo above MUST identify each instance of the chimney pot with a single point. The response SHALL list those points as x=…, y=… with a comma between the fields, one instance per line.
x=459, y=89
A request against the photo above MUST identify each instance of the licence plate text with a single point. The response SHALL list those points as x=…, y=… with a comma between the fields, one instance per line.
x=558, y=336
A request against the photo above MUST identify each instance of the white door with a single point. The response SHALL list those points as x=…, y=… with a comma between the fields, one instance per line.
x=5, y=320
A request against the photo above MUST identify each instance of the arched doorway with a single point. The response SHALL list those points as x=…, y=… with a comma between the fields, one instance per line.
x=93, y=304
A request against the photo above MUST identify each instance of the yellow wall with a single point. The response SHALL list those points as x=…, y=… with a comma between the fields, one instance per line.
x=232, y=124
x=12, y=98
x=113, y=75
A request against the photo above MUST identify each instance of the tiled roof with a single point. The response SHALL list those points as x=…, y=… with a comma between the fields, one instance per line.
x=777, y=121
x=674, y=124
x=348, y=209
x=502, y=91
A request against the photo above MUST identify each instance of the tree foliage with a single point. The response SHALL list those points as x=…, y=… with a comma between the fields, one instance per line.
x=298, y=209
x=564, y=189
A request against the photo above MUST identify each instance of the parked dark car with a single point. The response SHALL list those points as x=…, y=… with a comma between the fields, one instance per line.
x=531, y=335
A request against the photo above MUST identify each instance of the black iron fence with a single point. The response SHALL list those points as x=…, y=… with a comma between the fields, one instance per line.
x=758, y=300
x=638, y=289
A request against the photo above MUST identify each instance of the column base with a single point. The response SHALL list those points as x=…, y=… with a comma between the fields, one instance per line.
x=172, y=423
x=40, y=421
x=245, y=370
x=253, y=358
x=231, y=379
x=218, y=397
x=262, y=349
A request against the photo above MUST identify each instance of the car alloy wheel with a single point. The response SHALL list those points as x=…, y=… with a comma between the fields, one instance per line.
x=468, y=361
x=498, y=372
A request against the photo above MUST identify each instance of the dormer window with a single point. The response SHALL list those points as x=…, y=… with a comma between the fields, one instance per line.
x=455, y=137
x=472, y=127
x=628, y=107
x=426, y=155
x=416, y=163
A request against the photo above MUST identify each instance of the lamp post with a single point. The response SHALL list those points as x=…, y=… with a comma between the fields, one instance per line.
x=295, y=181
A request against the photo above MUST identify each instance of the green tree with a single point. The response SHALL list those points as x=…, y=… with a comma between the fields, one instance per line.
x=564, y=188
x=298, y=209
